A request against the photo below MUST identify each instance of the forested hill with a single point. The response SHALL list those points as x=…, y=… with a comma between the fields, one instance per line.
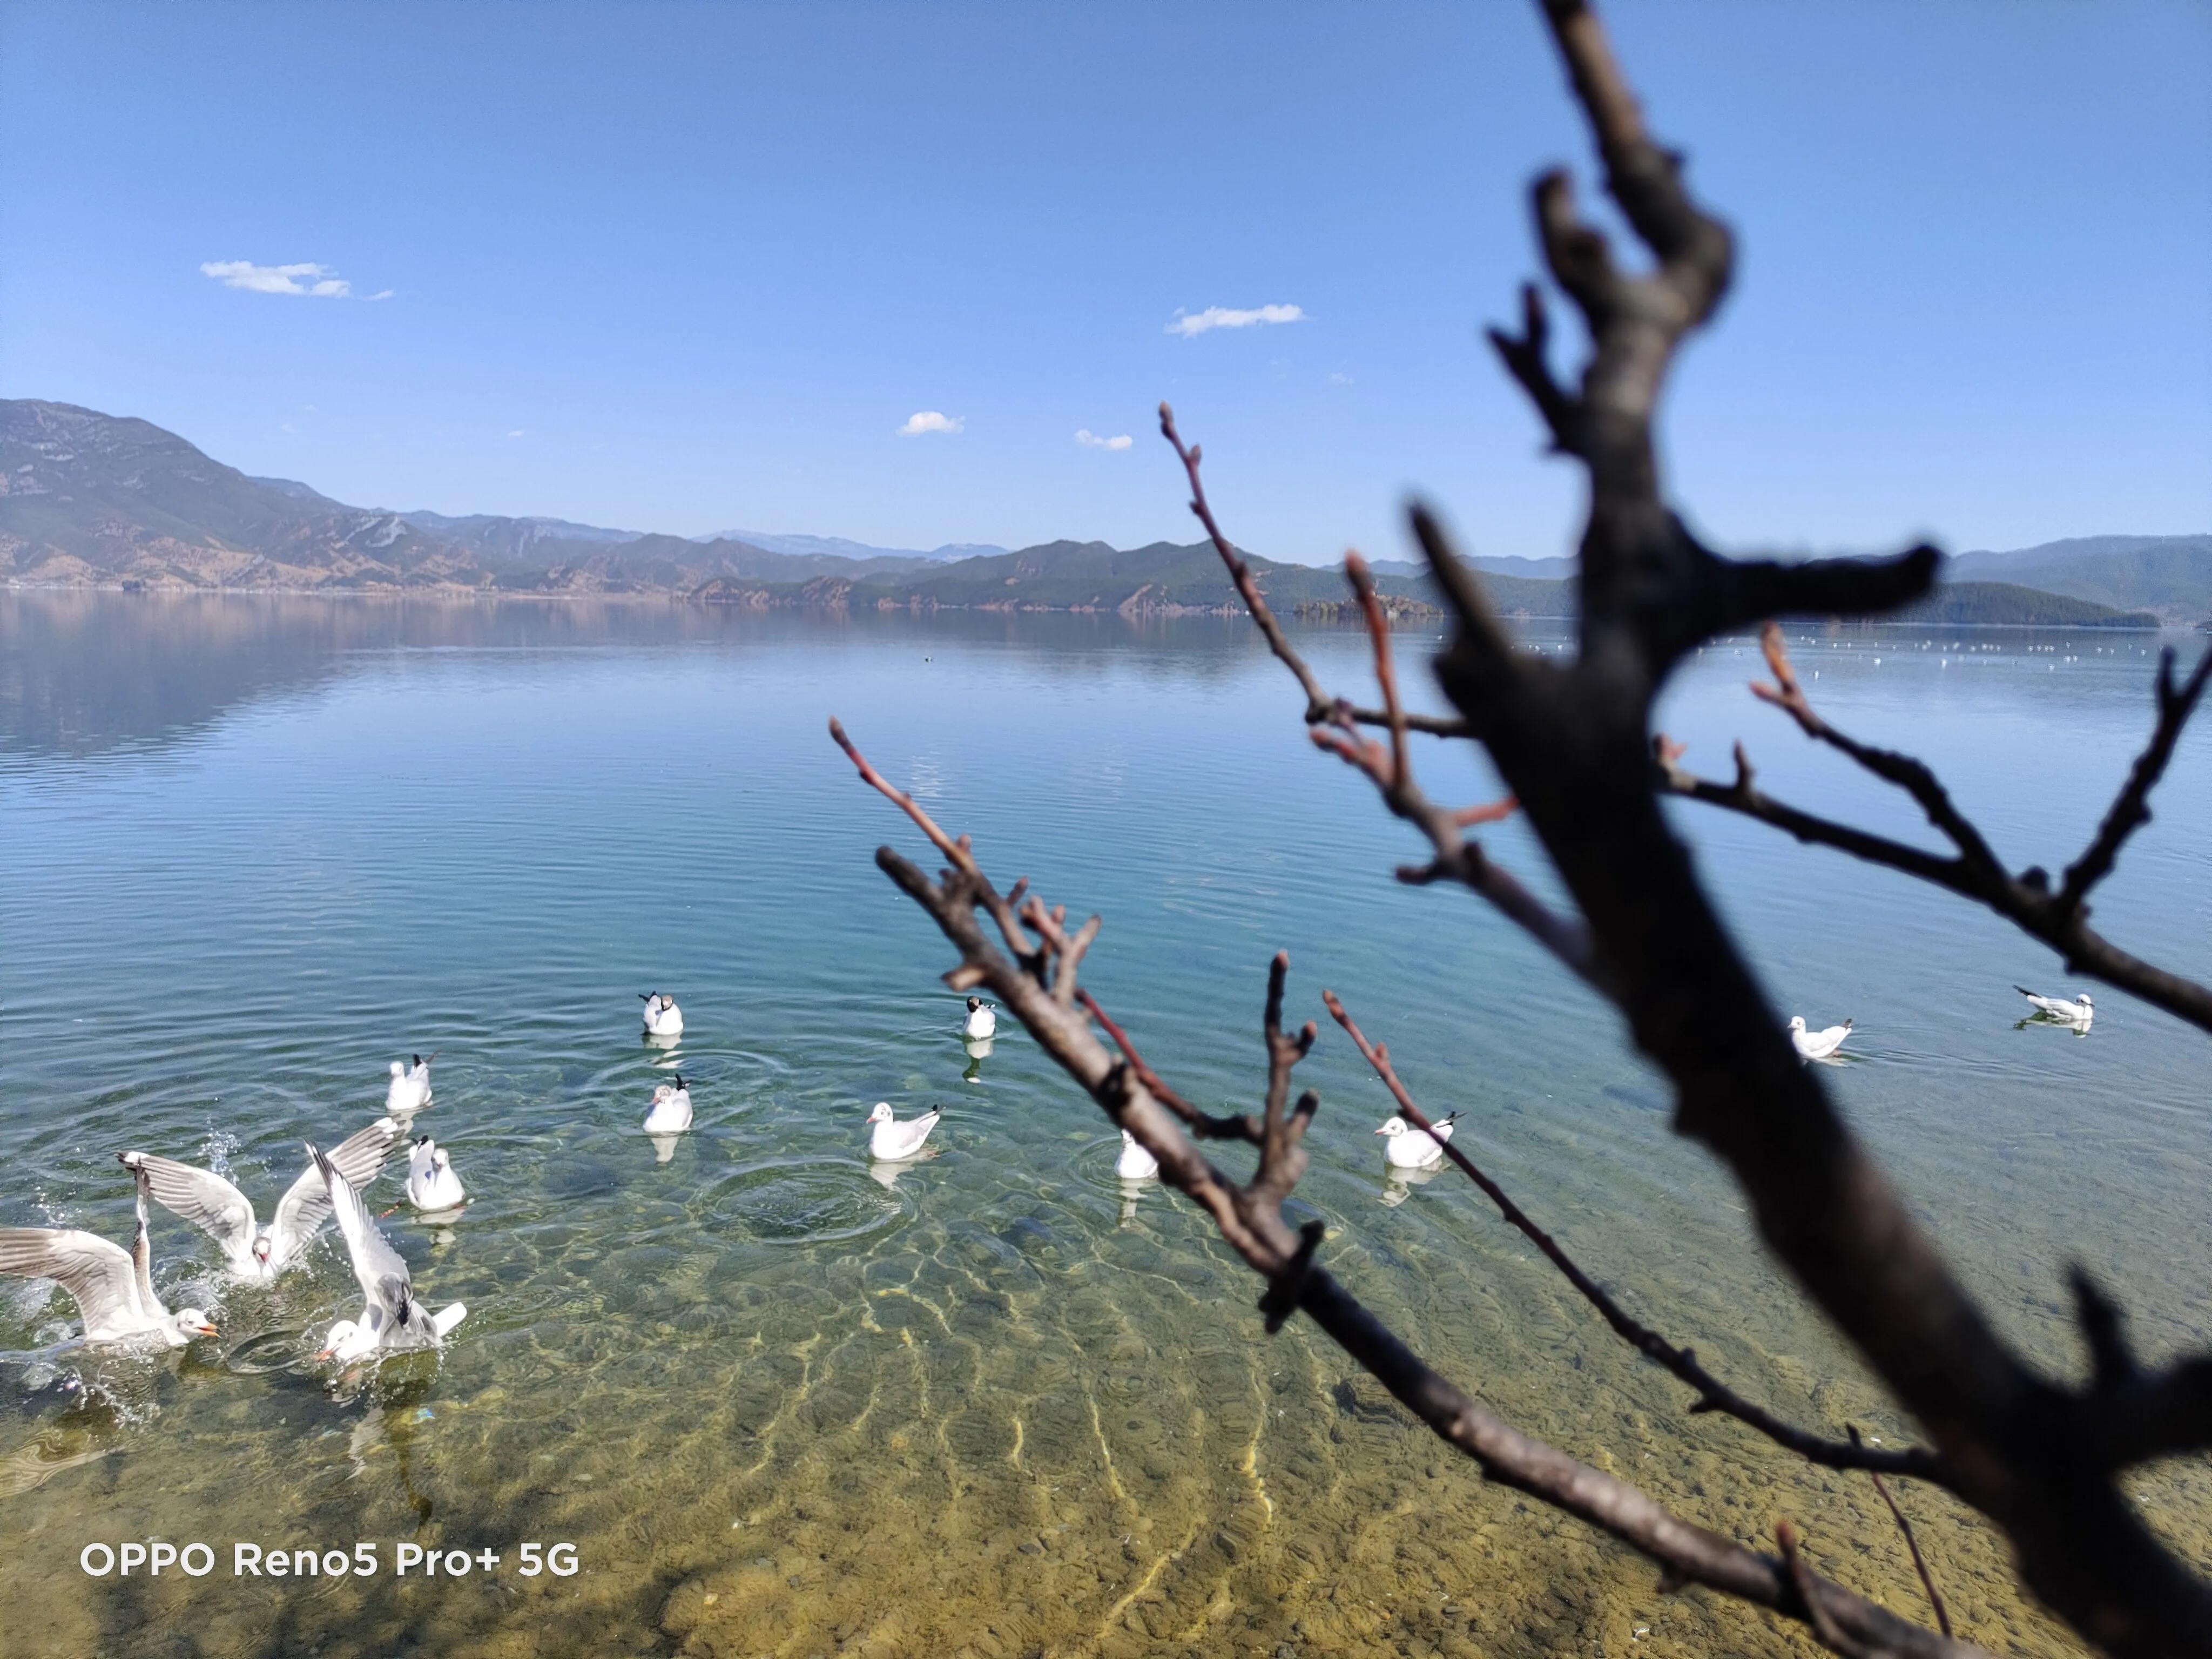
x=90, y=500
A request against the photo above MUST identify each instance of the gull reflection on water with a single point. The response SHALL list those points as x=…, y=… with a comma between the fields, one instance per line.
x=885, y=1171
x=1398, y=1184
x=665, y=1057
x=663, y=1147
x=1131, y=1191
x=978, y=1050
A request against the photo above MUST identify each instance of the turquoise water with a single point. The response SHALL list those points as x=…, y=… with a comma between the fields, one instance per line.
x=257, y=847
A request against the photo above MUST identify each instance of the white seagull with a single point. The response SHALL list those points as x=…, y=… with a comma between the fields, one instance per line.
x=892, y=1139
x=2079, y=1012
x=113, y=1287
x=671, y=1111
x=983, y=1020
x=1135, y=1163
x=431, y=1182
x=409, y=1090
x=1816, y=1045
x=251, y=1252
x=391, y=1319
x=1408, y=1148
x=662, y=1017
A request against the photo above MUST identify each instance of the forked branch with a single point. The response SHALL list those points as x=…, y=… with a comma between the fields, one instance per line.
x=1972, y=870
x=1250, y=1217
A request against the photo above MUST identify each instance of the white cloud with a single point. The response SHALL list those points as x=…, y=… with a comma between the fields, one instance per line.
x=311, y=280
x=1189, y=324
x=1091, y=440
x=928, y=419
x=517, y=433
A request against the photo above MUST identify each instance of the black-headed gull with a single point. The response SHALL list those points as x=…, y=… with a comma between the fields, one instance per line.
x=892, y=1139
x=113, y=1287
x=1135, y=1163
x=983, y=1020
x=2079, y=1012
x=1816, y=1045
x=431, y=1182
x=662, y=1017
x=391, y=1318
x=410, y=1090
x=254, y=1253
x=1408, y=1148
x=671, y=1111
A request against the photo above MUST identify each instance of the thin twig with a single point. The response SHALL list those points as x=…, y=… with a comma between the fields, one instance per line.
x=1911, y=1544
x=2130, y=809
x=1241, y=1127
x=2058, y=919
x=1713, y=1395
x=1319, y=706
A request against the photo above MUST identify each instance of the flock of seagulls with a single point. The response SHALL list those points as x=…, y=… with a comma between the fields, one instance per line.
x=113, y=1288
x=2074, y=1013
x=253, y=1253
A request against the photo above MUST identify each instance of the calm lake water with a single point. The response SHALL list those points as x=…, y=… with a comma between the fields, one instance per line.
x=1001, y=1405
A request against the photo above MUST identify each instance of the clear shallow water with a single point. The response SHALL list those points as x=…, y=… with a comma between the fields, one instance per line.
x=257, y=847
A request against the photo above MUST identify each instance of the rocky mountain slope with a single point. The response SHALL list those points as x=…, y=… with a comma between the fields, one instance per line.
x=89, y=499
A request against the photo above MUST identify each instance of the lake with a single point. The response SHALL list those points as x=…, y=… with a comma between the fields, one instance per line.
x=996, y=1403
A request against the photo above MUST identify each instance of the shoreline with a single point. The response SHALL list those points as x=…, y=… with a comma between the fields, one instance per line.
x=1167, y=612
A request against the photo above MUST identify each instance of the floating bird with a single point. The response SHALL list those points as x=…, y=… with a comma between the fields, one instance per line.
x=983, y=1020
x=1817, y=1045
x=2079, y=1012
x=409, y=1090
x=893, y=1140
x=1135, y=1163
x=662, y=1017
x=431, y=1182
x=391, y=1318
x=113, y=1287
x=253, y=1253
x=671, y=1111
x=1408, y=1148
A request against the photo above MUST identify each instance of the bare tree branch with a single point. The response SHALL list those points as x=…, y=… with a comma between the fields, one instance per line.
x=1713, y=1395
x=1319, y=706
x=2130, y=810
x=1573, y=741
x=1250, y=1220
x=2059, y=920
x=1903, y=770
x=1526, y=358
x=1911, y=1545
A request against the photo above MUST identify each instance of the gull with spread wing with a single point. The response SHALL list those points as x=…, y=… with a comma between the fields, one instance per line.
x=391, y=1319
x=113, y=1287
x=254, y=1253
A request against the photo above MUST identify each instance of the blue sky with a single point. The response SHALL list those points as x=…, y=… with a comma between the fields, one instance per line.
x=690, y=267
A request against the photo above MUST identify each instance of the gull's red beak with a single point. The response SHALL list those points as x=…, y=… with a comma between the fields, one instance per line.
x=1378, y=1132
x=325, y=1354
x=206, y=1329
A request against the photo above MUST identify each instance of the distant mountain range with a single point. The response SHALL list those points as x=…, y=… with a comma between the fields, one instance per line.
x=89, y=499
x=838, y=547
